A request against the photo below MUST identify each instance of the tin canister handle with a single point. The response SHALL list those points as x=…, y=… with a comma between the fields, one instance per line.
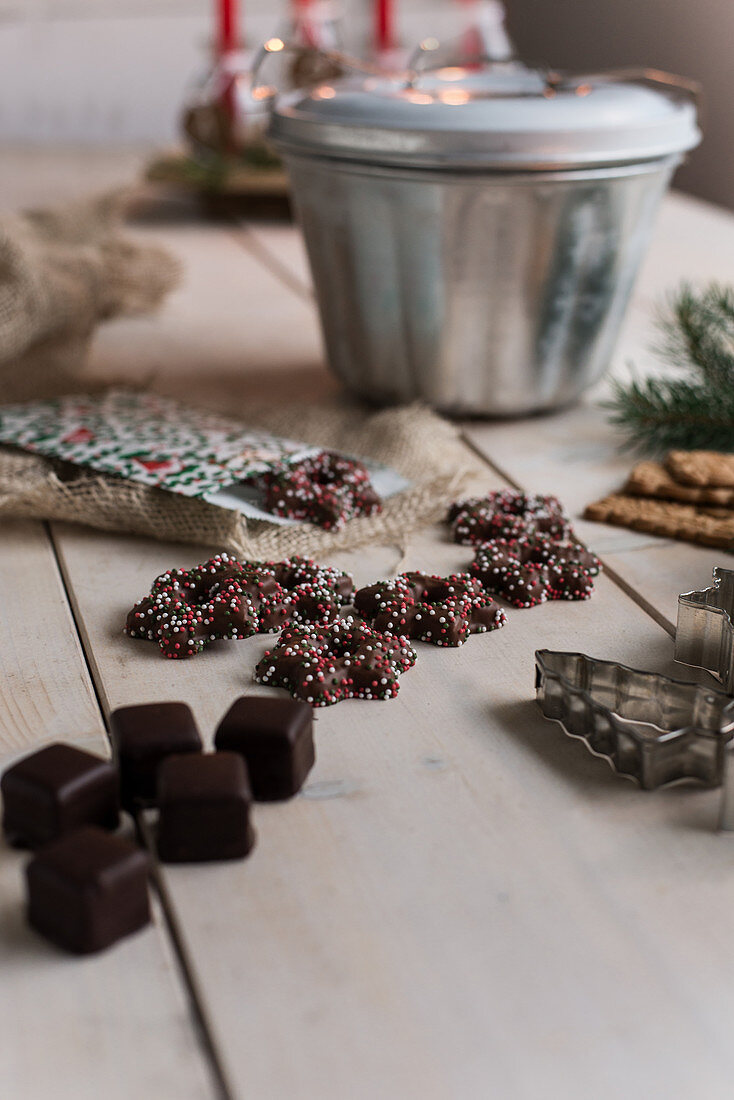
x=659, y=79
x=418, y=66
x=277, y=45
x=663, y=81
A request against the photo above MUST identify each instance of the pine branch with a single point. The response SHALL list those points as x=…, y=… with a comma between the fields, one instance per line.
x=697, y=332
x=674, y=414
x=695, y=410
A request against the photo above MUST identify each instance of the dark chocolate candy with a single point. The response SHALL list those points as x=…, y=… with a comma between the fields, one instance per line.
x=440, y=610
x=327, y=489
x=88, y=889
x=275, y=737
x=316, y=592
x=144, y=735
x=533, y=569
x=204, y=804
x=347, y=659
x=507, y=515
x=55, y=790
x=222, y=598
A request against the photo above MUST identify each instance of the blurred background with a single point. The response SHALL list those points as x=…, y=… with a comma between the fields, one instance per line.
x=115, y=72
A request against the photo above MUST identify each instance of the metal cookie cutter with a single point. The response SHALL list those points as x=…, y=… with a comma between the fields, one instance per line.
x=651, y=728
x=704, y=636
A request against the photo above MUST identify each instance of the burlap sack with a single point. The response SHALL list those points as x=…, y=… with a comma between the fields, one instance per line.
x=62, y=271
x=414, y=441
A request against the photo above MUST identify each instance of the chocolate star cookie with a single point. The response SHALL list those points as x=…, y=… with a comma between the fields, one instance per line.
x=426, y=608
x=529, y=571
x=507, y=515
x=326, y=489
x=315, y=592
x=325, y=664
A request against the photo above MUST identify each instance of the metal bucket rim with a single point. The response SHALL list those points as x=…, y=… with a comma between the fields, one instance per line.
x=463, y=174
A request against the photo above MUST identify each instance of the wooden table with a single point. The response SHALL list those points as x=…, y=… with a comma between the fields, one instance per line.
x=463, y=903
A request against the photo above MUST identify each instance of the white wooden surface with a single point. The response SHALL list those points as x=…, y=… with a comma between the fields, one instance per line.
x=462, y=903
x=73, y=1029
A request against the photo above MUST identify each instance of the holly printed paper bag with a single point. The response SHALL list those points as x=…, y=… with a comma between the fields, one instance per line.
x=150, y=439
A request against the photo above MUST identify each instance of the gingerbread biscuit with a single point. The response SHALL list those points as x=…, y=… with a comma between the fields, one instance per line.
x=705, y=525
x=711, y=469
x=651, y=479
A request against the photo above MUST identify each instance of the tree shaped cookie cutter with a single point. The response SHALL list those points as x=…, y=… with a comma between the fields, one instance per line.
x=650, y=728
x=704, y=636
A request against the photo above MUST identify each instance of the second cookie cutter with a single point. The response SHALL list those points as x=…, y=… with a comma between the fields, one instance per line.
x=704, y=636
x=649, y=727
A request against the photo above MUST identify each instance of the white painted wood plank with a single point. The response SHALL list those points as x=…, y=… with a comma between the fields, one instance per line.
x=113, y=1025
x=229, y=336
x=45, y=691
x=414, y=917
x=34, y=175
x=286, y=250
x=578, y=454
x=463, y=902
x=692, y=240
x=575, y=455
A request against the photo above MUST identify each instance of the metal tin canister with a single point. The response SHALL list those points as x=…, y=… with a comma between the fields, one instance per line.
x=474, y=235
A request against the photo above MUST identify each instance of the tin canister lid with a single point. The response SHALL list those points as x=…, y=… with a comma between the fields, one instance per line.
x=505, y=115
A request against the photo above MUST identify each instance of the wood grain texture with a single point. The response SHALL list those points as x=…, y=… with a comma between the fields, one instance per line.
x=227, y=337
x=73, y=1029
x=576, y=452
x=462, y=902
x=692, y=240
x=45, y=691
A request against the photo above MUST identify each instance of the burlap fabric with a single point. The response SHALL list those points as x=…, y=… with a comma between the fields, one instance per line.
x=414, y=441
x=62, y=271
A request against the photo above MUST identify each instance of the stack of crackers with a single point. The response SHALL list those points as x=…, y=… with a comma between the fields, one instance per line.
x=689, y=496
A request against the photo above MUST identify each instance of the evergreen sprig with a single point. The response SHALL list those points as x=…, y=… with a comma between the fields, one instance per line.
x=696, y=409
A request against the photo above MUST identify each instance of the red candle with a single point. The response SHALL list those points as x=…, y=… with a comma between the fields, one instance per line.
x=228, y=40
x=383, y=25
x=472, y=43
x=304, y=22
x=228, y=26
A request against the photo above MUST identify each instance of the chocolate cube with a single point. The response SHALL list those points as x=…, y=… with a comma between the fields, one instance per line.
x=204, y=804
x=55, y=790
x=275, y=737
x=87, y=890
x=144, y=735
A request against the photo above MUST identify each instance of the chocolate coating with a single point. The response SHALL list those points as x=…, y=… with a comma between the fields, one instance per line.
x=275, y=738
x=316, y=592
x=346, y=660
x=87, y=890
x=441, y=610
x=204, y=804
x=507, y=515
x=55, y=790
x=142, y=736
x=225, y=598
x=326, y=489
x=531, y=570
